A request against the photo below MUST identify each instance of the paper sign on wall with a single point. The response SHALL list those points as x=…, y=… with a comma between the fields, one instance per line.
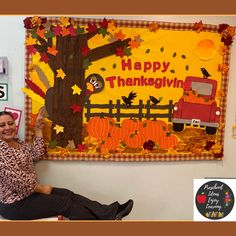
x=128, y=90
x=16, y=113
x=3, y=92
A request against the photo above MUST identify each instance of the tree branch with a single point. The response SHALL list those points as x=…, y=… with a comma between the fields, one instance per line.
x=40, y=48
x=107, y=50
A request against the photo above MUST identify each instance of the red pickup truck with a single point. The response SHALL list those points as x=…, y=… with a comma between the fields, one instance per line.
x=197, y=106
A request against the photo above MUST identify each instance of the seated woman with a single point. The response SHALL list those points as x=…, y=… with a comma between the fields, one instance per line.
x=22, y=198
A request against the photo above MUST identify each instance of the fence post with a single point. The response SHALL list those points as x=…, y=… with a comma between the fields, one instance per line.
x=141, y=115
x=87, y=105
x=148, y=109
x=111, y=108
x=118, y=110
x=170, y=110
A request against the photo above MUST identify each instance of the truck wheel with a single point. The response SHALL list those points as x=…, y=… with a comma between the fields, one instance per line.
x=178, y=127
x=211, y=130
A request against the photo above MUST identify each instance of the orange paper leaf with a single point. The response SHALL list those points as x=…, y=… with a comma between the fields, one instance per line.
x=134, y=44
x=198, y=26
x=223, y=68
x=65, y=32
x=52, y=50
x=153, y=27
x=223, y=50
x=40, y=33
x=120, y=35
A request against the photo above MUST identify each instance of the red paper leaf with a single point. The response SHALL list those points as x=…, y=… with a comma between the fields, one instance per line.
x=31, y=49
x=81, y=147
x=104, y=23
x=72, y=31
x=57, y=30
x=28, y=23
x=85, y=50
x=43, y=57
x=76, y=108
x=222, y=27
x=120, y=52
x=227, y=41
x=35, y=88
x=91, y=28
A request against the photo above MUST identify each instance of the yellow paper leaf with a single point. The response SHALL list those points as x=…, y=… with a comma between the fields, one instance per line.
x=59, y=129
x=76, y=89
x=60, y=73
x=65, y=21
x=111, y=25
x=30, y=41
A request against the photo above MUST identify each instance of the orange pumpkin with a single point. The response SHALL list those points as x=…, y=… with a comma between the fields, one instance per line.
x=163, y=125
x=118, y=132
x=131, y=124
x=99, y=127
x=134, y=140
x=168, y=140
x=153, y=129
x=110, y=144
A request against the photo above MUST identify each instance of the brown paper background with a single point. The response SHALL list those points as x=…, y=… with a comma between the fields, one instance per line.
x=105, y=7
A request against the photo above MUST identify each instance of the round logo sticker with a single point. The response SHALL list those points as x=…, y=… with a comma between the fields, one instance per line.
x=214, y=200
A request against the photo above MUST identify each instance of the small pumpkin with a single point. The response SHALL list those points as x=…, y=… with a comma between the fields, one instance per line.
x=118, y=132
x=168, y=141
x=99, y=127
x=110, y=143
x=153, y=129
x=131, y=124
x=134, y=140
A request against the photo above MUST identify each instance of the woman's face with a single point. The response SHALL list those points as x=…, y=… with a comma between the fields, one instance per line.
x=7, y=128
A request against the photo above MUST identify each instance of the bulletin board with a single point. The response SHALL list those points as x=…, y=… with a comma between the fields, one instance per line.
x=121, y=90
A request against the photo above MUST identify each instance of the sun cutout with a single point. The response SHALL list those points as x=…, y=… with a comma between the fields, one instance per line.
x=206, y=49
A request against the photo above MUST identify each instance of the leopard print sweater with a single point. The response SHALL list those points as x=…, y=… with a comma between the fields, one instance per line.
x=17, y=172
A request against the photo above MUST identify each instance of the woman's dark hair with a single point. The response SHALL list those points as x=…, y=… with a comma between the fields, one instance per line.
x=2, y=113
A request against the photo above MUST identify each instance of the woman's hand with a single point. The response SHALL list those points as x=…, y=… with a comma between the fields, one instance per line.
x=39, y=123
x=45, y=189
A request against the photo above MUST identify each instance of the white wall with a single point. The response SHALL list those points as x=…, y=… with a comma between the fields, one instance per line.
x=161, y=190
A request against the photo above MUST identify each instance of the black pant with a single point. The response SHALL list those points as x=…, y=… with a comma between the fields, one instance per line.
x=59, y=202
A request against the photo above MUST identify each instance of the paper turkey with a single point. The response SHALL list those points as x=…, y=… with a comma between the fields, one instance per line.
x=94, y=84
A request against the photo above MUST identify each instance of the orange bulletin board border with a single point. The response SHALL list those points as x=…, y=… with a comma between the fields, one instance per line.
x=133, y=157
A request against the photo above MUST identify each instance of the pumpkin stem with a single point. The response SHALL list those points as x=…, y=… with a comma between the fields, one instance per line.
x=102, y=115
x=132, y=135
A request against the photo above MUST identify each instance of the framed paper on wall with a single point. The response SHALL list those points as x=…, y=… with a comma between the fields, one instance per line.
x=16, y=113
x=118, y=90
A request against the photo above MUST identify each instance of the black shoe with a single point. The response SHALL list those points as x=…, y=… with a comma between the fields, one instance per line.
x=124, y=209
